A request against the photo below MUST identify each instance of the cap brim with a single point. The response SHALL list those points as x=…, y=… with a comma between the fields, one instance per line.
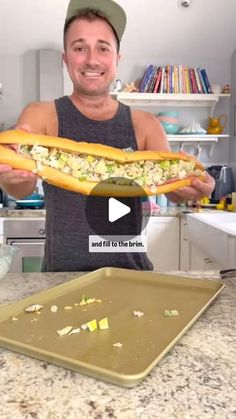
x=111, y=10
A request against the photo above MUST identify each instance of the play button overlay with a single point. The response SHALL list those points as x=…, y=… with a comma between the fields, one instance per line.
x=116, y=210
x=116, y=216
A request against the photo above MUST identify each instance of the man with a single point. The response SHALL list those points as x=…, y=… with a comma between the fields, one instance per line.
x=92, y=36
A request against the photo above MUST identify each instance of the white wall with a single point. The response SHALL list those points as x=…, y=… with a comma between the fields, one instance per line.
x=11, y=74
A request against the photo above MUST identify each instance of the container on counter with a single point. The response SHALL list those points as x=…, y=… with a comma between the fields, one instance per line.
x=162, y=201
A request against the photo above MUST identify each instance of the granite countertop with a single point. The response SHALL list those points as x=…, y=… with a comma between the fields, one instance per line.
x=196, y=379
x=13, y=212
x=163, y=211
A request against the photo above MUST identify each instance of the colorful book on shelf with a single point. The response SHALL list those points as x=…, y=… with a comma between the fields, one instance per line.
x=145, y=78
x=198, y=81
x=153, y=79
x=187, y=80
x=176, y=79
x=193, y=81
x=162, y=80
x=158, y=81
x=171, y=78
x=206, y=80
x=180, y=68
x=184, y=89
x=149, y=80
x=204, y=88
x=167, y=80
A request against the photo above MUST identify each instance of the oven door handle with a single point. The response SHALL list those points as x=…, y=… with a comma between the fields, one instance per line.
x=25, y=242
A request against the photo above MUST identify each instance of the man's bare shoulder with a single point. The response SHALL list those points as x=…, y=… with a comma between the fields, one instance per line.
x=38, y=115
x=140, y=116
x=148, y=130
x=39, y=108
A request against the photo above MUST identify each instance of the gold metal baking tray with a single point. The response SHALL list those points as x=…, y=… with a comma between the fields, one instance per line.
x=145, y=340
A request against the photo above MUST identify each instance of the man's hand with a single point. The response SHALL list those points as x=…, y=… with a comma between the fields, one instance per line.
x=198, y=190
x=14, y=181
x=10, y=176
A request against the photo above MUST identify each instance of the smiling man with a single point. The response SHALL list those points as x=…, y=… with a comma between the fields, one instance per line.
x=92, y=33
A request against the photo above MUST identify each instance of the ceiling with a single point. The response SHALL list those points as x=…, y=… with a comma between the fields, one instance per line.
x=207, y=28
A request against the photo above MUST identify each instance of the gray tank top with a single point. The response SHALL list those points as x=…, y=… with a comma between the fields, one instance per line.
x=67, y=228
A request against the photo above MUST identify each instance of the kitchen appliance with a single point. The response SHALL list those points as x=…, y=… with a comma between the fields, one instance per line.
x=224, y=182
x=28, y=235
x=3, y=199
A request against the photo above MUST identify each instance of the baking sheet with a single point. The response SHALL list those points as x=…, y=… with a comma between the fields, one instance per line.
x=145, y=340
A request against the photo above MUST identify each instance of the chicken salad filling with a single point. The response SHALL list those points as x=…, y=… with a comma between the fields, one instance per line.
x=91, y=168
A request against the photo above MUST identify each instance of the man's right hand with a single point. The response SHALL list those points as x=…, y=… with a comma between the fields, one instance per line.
x=10, y=177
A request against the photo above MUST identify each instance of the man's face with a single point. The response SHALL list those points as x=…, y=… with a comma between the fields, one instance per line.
x=91, y=55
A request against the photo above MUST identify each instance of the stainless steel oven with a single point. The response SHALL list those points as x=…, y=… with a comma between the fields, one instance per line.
x=28, y=235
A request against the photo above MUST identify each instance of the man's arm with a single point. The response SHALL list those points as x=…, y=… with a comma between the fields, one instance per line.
x=20, y=183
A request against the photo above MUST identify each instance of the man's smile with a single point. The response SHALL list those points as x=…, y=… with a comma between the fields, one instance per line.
x=92, y=73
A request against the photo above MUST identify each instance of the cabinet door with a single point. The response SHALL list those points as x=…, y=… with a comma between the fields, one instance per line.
x=201, y=262
x=163, y=243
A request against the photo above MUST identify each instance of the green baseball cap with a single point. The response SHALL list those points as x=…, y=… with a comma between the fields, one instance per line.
x=112, y=11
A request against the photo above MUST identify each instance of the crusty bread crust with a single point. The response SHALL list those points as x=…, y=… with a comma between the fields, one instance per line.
x=65, y=181
x=100, y=150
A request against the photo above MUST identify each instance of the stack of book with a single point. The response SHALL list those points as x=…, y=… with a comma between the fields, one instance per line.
x=174, y=79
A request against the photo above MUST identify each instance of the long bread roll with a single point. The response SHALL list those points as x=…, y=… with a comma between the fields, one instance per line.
x=80, y=166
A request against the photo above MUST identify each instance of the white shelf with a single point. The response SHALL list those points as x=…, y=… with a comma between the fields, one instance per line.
x=166, y=99
x=195, y=138
x=171, y=99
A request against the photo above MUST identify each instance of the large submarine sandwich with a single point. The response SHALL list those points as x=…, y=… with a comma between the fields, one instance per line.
x=80, y=166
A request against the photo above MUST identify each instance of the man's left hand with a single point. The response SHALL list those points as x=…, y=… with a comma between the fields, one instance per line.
x=198, y=190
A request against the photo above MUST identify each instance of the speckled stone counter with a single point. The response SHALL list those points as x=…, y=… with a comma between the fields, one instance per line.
x=175, y=211
x=9, y=212
x=196, y=379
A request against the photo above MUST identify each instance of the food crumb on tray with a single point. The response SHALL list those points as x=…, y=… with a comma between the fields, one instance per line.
x=92, y=325
x=118, y=345
x=33, y=307
x=65, y=331
x=171, y=313
x=138, y=313
x=73, y=331
x=103, y=324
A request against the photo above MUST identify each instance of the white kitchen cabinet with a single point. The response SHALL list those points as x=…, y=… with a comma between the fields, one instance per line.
x=191, y=257
x=163, y=242
x=200, y=261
